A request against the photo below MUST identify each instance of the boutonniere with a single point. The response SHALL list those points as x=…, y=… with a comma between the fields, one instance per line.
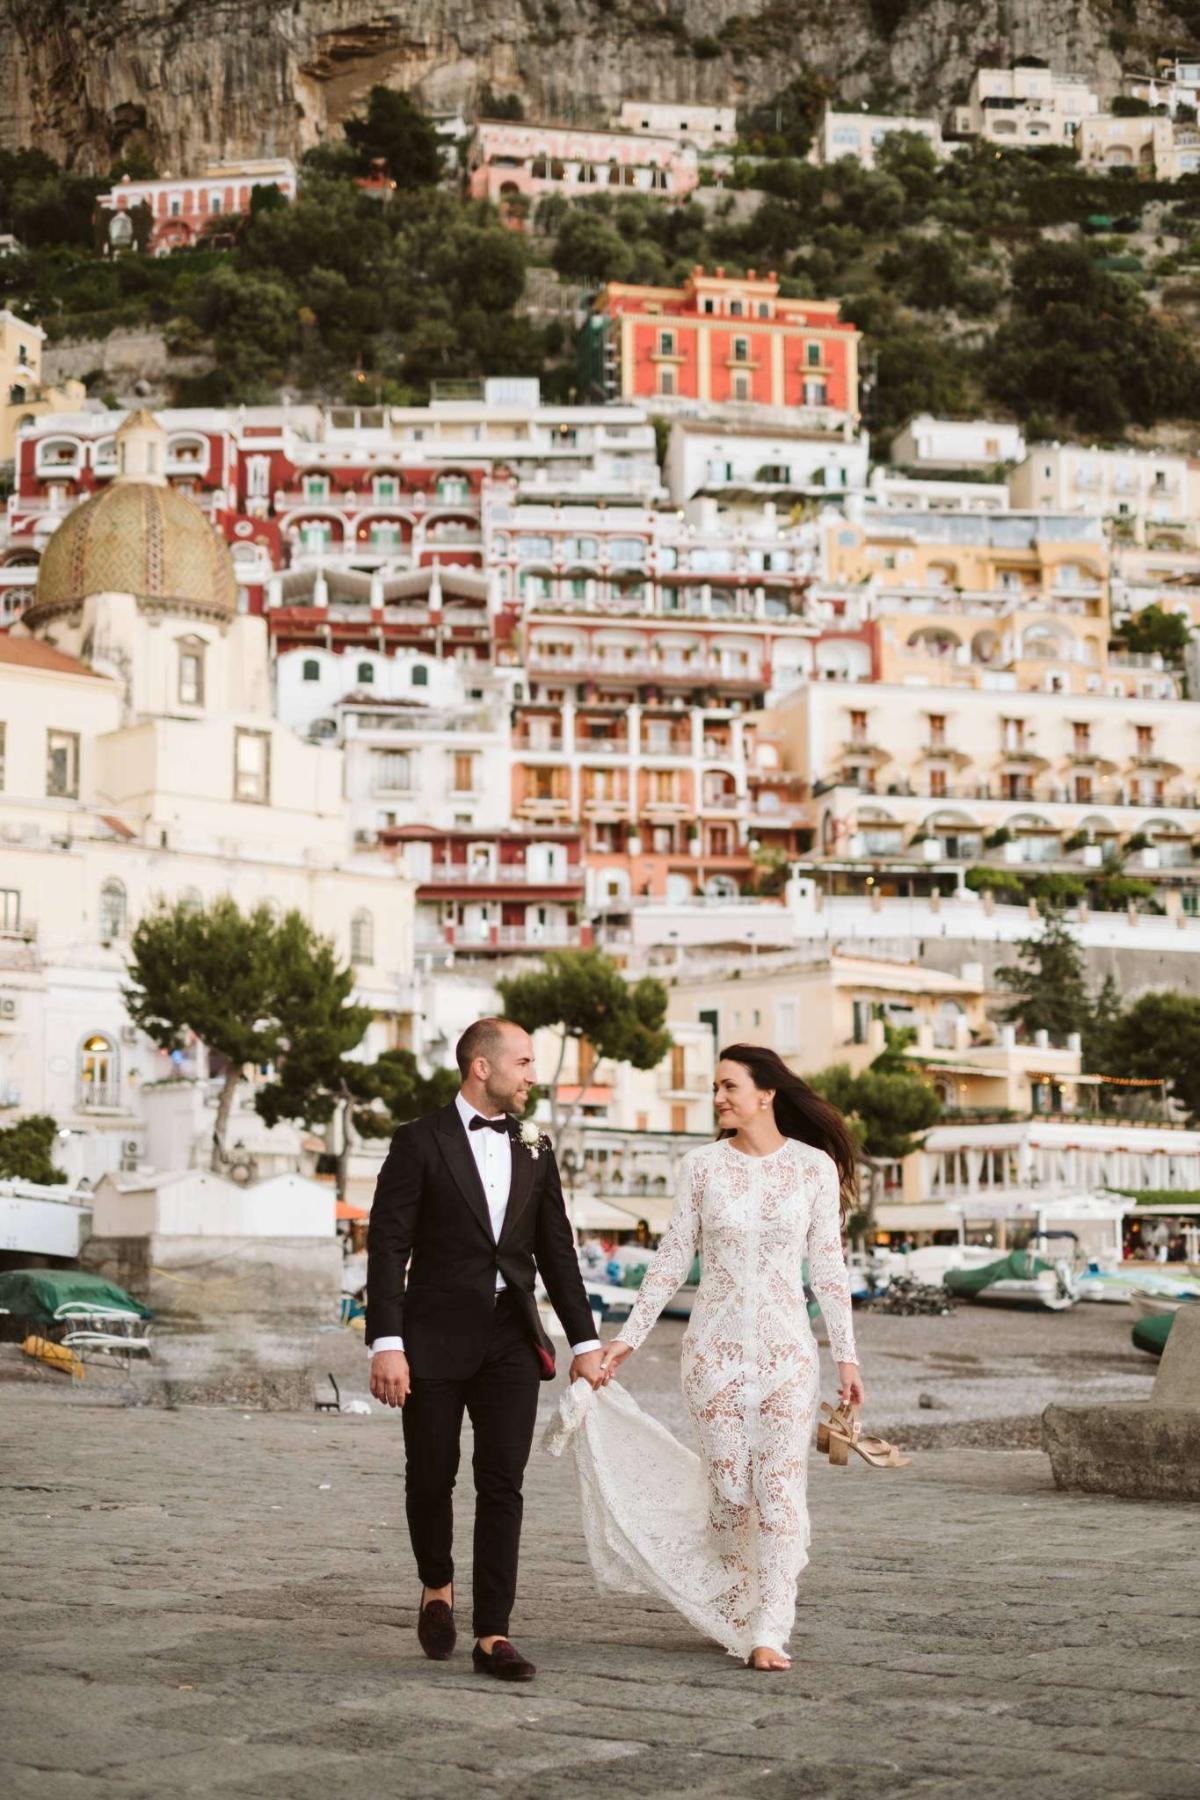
x=532, y=1139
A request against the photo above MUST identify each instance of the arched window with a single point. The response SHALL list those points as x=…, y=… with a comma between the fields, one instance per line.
x=362, y=938
x=99, y=1072
x=112, y=911
x=311, y=670
x=366, y=673
x=420, y=675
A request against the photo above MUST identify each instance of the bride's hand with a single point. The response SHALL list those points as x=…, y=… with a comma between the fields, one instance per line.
x=611, y=1358
x=850, y=1387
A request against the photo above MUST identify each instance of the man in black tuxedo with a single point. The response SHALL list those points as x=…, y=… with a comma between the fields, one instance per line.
x=464, y=1211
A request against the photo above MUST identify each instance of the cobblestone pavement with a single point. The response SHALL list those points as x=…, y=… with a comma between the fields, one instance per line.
x=210, y=1603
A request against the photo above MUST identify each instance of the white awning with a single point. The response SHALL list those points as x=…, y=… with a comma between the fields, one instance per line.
x=619, y=1212
x=917, y=1217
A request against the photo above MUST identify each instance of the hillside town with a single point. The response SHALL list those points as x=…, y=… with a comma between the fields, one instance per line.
x=691, y=666
x=688, y=606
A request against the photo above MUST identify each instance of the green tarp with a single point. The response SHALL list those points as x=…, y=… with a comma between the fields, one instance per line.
x=38, y=1294
x=1018, y=1265
x=1151, y=1334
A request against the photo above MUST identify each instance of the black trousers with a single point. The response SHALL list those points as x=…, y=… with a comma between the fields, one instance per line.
x=501, y=1401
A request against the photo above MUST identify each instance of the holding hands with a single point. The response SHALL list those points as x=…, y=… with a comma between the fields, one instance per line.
x=611, y=1358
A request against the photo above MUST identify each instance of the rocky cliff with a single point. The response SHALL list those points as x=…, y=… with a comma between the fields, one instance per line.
x=193, y=79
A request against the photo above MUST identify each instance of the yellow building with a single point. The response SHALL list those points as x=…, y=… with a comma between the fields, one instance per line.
x=827, y=1009
x=23, y=394
x=905, y=780
x=1018, y=600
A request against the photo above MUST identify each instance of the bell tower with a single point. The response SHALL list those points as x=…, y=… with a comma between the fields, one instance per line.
x=142, y=449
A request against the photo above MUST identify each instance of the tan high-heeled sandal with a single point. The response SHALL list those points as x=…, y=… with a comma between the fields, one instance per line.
x=845, y=1435
x=842, y=1415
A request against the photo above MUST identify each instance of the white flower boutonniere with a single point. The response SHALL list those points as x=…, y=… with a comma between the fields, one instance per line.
x=532, y=1139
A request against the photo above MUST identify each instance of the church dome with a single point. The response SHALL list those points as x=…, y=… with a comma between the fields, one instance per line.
x=138, y=536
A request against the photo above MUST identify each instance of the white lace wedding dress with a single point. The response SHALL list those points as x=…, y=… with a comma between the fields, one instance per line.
x=722, y=1537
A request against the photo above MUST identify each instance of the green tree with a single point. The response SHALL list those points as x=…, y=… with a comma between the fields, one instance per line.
x=394, y=1091
x=254, y=321
x=582, y=994
x=1082, y=344
x=251, y=987
x=588, y=249
x=319, y=1028
x=25, y=1151
x=401, y=134
x=1158, y=1037
x=890, y=1106
x=1154, y=631
x=1047, y=981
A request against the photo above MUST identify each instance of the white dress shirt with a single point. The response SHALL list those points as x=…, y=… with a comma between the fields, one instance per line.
x=493, y=1153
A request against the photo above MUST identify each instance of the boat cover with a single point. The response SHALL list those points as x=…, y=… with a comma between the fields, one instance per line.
x=40, y=1294
x=1150, y=1334
x=1018, y=1265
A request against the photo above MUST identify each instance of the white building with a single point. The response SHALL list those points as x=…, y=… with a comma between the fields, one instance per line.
x=889, y=492
x=1025, y=106
x=926, y=442
x=859, y=135
x=1173, y=84
x=704, y=127
x=750, y=464
x=425, y=742
x=143, y=762
x=1145, y=494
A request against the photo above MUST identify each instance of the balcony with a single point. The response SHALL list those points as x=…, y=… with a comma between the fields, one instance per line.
x=501, y=875
x=18, y=948
x=545, y=806
x=59, y=464
x=101, y=1097
x=614, y=746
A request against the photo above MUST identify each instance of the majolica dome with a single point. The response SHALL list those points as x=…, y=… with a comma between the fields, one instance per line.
x=138, y=536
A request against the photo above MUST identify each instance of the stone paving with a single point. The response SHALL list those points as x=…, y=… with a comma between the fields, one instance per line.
x=204, y=1602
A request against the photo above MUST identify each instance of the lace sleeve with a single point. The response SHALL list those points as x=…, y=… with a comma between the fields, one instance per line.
x=673, y=1260
x=827, y=1263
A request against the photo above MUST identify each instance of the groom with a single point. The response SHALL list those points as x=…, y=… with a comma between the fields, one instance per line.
x=463, y=1211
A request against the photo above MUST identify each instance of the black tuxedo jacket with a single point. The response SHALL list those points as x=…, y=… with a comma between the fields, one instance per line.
x=432, y=1259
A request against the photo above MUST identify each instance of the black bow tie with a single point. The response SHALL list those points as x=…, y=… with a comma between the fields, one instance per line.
x=479, y=1123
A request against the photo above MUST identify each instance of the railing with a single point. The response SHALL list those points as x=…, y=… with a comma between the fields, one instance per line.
x=102, y=1096
x=640, y=670
x=1100, y=797
x=501, y=875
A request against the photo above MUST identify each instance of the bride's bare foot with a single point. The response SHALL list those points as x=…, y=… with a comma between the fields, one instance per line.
x=762, y=1657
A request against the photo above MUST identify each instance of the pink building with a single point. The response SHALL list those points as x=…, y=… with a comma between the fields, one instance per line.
x=510, y=157
x=183, y=208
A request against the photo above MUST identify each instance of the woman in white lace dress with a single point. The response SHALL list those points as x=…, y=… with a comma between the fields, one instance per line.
x=755, y=1205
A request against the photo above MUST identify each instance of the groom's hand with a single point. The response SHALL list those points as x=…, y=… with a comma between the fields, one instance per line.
x=390, y=1380
x=587, y=1368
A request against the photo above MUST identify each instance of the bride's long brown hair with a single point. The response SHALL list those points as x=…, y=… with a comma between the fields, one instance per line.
x=801, y=1113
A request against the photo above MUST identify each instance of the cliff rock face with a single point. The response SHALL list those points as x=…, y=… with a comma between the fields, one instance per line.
x=198, y=79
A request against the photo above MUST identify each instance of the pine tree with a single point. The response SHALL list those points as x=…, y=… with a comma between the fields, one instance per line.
x=1048, y=982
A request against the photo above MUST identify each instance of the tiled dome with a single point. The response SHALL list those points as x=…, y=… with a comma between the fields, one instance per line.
x=140, y=538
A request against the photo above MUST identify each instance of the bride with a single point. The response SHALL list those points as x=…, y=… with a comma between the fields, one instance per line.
x=724, y=1537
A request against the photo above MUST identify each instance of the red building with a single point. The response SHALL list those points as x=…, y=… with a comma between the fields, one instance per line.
x=488, y=891
x=721, y=340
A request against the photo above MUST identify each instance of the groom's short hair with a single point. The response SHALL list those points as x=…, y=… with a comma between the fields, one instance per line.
x=483, y=1038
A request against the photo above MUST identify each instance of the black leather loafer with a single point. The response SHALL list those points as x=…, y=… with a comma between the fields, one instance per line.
x=435, y=1629
x=504, y=1661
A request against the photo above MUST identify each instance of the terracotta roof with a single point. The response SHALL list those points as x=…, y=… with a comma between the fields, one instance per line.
x=31, y=653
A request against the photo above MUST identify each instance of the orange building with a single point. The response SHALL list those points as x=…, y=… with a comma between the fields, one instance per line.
x=721, y=340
